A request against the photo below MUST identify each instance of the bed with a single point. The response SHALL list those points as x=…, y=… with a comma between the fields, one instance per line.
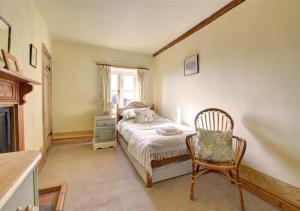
x=155, y=157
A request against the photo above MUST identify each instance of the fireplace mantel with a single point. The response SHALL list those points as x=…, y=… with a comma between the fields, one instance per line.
x=13, y=88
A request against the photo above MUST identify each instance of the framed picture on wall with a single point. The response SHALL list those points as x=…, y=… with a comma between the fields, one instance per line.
x=191, y=65
x=10, y=61
x=33, y=56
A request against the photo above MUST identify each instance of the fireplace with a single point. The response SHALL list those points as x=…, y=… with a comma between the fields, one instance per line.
x=6, y=130
x=13, y=88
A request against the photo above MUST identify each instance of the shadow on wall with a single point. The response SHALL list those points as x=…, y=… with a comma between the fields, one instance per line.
x=271, y=139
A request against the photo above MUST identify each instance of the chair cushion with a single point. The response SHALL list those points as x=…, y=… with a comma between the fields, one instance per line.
x=215, y=146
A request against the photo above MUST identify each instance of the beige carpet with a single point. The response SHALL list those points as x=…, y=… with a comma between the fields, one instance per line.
x=105, y=180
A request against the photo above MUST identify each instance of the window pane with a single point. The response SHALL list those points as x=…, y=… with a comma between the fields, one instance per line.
x=128, y=96
x=128, y=82
x=114, y=82
x=114, y=97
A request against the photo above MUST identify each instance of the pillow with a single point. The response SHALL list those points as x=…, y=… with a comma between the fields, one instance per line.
x=214, y=146
x=129, y=113
x=144, y=116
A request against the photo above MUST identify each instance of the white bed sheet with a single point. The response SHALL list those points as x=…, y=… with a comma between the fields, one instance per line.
x=145, y=145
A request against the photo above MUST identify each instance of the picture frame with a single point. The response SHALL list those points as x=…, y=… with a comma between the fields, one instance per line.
x=10, y=61
x=191, y=65
x=33, y=56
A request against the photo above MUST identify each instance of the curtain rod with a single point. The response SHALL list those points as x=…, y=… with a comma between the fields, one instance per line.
x=121, y=66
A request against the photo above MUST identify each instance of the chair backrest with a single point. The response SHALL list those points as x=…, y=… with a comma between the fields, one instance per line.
x=213, y=119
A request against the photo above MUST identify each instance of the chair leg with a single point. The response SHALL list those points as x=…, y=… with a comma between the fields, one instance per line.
x=197, y=168
x=231, y=175
x=192, y=197
x=238, y=184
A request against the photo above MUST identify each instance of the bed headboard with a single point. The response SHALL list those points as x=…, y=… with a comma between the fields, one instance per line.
x=135, y=104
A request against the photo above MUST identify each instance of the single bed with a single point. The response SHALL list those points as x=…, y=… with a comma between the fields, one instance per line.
x=155, y=157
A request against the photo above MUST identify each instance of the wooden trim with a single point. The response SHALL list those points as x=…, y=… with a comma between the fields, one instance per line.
x=16, y=76
x=62, y=192
x=157, y=163
x=72, y=141
x=273, y=191
x=73, y=134
x=19, y=119
x=24, y=88
x=272, y=198
x=149, y=180
x=47, y=52
x=8, y=91
x=200, y=25
x=121, y=66
x=49, y=69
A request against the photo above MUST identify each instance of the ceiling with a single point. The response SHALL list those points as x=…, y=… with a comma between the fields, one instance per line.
x=135, y=25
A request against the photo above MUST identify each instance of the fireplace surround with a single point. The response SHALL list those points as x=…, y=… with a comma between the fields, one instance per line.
x=6, y=129
x=13, y=88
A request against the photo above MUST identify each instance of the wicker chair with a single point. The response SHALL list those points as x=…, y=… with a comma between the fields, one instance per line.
x=216, y=119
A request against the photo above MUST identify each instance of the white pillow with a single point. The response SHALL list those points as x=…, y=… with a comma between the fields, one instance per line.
x=130, y=113
x=144, y=116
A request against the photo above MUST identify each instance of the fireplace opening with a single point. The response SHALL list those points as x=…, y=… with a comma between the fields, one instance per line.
x=6, y=137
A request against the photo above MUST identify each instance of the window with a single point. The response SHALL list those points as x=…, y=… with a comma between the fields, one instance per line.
x=123, y=86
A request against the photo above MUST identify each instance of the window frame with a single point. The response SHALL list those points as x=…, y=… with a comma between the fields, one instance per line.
x=121, y=72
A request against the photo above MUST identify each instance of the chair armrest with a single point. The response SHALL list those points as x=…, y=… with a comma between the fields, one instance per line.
x=190, y=146
x=190, y=136
x=240, y=149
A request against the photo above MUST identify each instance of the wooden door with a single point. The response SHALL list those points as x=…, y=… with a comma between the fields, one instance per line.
x=47, y=98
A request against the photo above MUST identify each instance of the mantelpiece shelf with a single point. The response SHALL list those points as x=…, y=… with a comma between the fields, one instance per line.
x=15, y=76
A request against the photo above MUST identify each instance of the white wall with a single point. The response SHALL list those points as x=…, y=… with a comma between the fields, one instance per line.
x=28, y=27
x=249, y=66
x=75, y=81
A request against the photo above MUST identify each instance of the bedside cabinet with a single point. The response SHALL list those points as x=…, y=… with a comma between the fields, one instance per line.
x=104, y=132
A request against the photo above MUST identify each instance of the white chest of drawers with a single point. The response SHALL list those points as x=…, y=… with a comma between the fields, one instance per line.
x=104, y=132
x=18, y=181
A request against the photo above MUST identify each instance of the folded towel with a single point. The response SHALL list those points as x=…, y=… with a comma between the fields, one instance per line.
x=169, y=129
x=170, y=133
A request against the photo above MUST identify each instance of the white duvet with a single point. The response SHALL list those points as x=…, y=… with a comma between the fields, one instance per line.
x=146, y=145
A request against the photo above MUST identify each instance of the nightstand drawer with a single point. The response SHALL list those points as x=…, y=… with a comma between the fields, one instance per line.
x=105, y=123
x=105, y=134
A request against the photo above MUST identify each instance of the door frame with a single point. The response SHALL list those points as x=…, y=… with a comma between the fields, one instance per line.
x=45, y=51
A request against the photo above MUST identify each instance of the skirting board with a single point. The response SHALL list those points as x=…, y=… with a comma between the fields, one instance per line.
x=73, y=134
x=277, y=193
x=73, y=137
x=72, y=141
